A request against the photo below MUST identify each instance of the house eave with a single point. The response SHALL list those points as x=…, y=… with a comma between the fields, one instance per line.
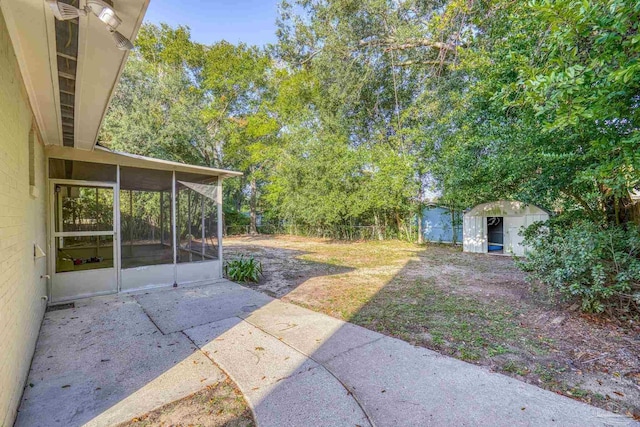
x=97, y=64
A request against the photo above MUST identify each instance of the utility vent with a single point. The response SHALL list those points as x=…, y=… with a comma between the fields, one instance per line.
x=61, y=307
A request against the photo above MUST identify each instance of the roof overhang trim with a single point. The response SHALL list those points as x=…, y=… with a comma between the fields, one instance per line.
x=106, y=156
x=32, y=28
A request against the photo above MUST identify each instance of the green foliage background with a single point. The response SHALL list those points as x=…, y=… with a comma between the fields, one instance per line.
x=366, y=109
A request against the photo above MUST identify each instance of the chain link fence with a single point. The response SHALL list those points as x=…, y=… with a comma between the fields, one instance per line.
x=337, y=232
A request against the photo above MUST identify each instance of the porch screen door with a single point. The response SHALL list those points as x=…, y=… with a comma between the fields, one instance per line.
x=83, y=239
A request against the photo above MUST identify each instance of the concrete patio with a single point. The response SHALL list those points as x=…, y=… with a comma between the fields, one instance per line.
x=112, y=358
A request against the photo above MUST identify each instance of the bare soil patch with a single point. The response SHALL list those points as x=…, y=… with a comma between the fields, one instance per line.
x=475, y=307
x=215, y=406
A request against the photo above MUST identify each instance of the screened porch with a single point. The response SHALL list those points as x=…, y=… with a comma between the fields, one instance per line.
x=121, y=222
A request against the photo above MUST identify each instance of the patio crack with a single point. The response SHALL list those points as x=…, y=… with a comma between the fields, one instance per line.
x=359, y=346
x=150, y=318
x=197, y=347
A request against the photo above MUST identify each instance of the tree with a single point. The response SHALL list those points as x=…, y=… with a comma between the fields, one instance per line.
x=207, y=105
x=548, y=112
x=241, y=84
x=372, y=60
x=155, y=112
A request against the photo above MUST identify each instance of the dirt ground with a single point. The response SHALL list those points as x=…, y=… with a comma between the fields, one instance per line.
x=475, y=307
x=215, y=406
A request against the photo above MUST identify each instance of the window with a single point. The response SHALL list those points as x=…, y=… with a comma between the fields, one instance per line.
x=83, y=208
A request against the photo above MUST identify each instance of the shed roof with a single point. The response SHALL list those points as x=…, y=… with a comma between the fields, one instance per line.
x=506, y=208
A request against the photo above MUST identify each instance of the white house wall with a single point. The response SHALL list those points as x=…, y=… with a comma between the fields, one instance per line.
x=33, y=37
x=22, y=225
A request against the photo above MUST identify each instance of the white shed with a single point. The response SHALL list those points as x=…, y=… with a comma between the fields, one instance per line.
x=494, y=227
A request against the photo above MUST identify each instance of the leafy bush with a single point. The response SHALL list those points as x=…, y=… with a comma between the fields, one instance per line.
x=597, y=265
x=235, y=222
x=243, y=270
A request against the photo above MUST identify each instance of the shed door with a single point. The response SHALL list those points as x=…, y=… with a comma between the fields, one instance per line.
x=83, y=241
x=513, y=240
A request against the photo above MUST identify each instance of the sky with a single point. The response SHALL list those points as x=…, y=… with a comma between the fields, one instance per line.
x=248, y=21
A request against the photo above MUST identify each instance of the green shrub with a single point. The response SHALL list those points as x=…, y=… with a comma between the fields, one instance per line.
x=596, y=264
x=235, y=222
x=243, y=270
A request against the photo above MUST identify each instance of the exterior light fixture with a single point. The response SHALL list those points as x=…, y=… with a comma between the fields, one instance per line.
x=121, y=41
x=64, y=11
x=104, y=12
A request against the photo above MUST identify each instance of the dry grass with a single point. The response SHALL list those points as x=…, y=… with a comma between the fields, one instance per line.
x=478, y=308
x=215, y=406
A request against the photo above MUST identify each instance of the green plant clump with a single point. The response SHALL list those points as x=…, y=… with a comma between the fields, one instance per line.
x=599, y=265
x=243, y=270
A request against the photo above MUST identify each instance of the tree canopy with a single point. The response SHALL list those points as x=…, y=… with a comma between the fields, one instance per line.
x=364, y=110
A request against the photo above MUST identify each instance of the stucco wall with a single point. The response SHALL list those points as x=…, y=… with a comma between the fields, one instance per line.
x=22, y=223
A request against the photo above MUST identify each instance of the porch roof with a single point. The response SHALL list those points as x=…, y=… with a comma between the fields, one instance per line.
x=105, y=156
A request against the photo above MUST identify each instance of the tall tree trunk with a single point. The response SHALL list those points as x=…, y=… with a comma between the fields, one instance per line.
x=453, y=226
x=238, y=195
x=420, y=231
x=377, y=223
x=253, y=229
x=399, y=224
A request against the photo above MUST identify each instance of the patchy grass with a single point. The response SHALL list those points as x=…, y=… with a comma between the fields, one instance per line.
x=474, y=307
x=423, y=314
x=215, y=406
x=514, y=367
